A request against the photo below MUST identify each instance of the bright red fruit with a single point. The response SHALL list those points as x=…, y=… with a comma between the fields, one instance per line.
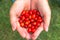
x=25, y=26
x=30, y=12
x=39, y=19
x=30, y=19
x=34, y=23
x=38, y=13
x=30, y=16
x=36, y=18
x=29, y=25
x=22, y=24
x=34, y=11
x=27, y=22
x=34, y=15
x=23, y=12
x=33, y=30
x=29, y=30
x=32, y=27
x=23, y=18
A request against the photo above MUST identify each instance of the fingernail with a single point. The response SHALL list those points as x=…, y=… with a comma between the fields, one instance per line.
x=14, y=29
x=46, y=29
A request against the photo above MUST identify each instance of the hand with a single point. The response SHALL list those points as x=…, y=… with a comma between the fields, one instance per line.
x=15, y=11
x=46, y=14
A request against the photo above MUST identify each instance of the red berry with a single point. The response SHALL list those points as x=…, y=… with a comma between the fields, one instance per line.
x=27, y=14
x=30, y=12
x=20, y=17
x=26, y=19
x=40, y=19
x=34, y=11
x=23, y=18
x=32, y=27
x=20, y=21
x=29, y=25
x=22, y=24
x=27, y=11
x=32, y=20
x=34, y=15
x=25, y=26
x=34, y=23
x=30, y=16
x=29, y=30
x=27, y=22
x=36, y=27
x=38, y=24
x=23, y=12
x=33, y=30
x=38, y=13
x=36, y=18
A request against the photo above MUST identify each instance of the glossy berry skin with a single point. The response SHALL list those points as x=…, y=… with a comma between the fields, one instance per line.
x=30, y=19
x=29, y=30
x=33, y=30
x=22, y=24
x=29, y=25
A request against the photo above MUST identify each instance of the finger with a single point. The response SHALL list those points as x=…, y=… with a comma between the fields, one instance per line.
x=21, y=30
x=46, y=22
x=13, y=23
x=37, y=32
x=15, y=9
x=33, y=4
x=45, y=10
x=28, y=36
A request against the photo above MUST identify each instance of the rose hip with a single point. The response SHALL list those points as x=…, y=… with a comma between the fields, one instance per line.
x=30, y=19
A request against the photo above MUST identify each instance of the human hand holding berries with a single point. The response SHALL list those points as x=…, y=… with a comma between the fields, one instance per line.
x=15, y=12
x=30, y=19
x=44, y=8
x=18, y=8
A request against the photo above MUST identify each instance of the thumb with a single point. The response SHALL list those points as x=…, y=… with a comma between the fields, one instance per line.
x=37, y=32
x=13, y=23
x=47, y=18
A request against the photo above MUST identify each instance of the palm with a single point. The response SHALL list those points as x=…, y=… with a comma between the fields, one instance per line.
x=43, y=7
x=16, y=10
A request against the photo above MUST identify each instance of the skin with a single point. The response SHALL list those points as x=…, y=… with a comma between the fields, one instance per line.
x=19, y=6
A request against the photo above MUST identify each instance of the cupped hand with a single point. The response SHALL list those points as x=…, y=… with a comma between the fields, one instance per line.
x=45, y=11
x=15, y=12
x=18, y=7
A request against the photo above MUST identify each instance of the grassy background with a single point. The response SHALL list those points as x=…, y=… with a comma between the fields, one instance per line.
x=6, y=32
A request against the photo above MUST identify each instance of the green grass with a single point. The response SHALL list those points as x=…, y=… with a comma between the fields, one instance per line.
x=6, y=32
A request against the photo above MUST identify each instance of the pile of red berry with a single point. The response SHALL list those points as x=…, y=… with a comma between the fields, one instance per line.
x=30, y=19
